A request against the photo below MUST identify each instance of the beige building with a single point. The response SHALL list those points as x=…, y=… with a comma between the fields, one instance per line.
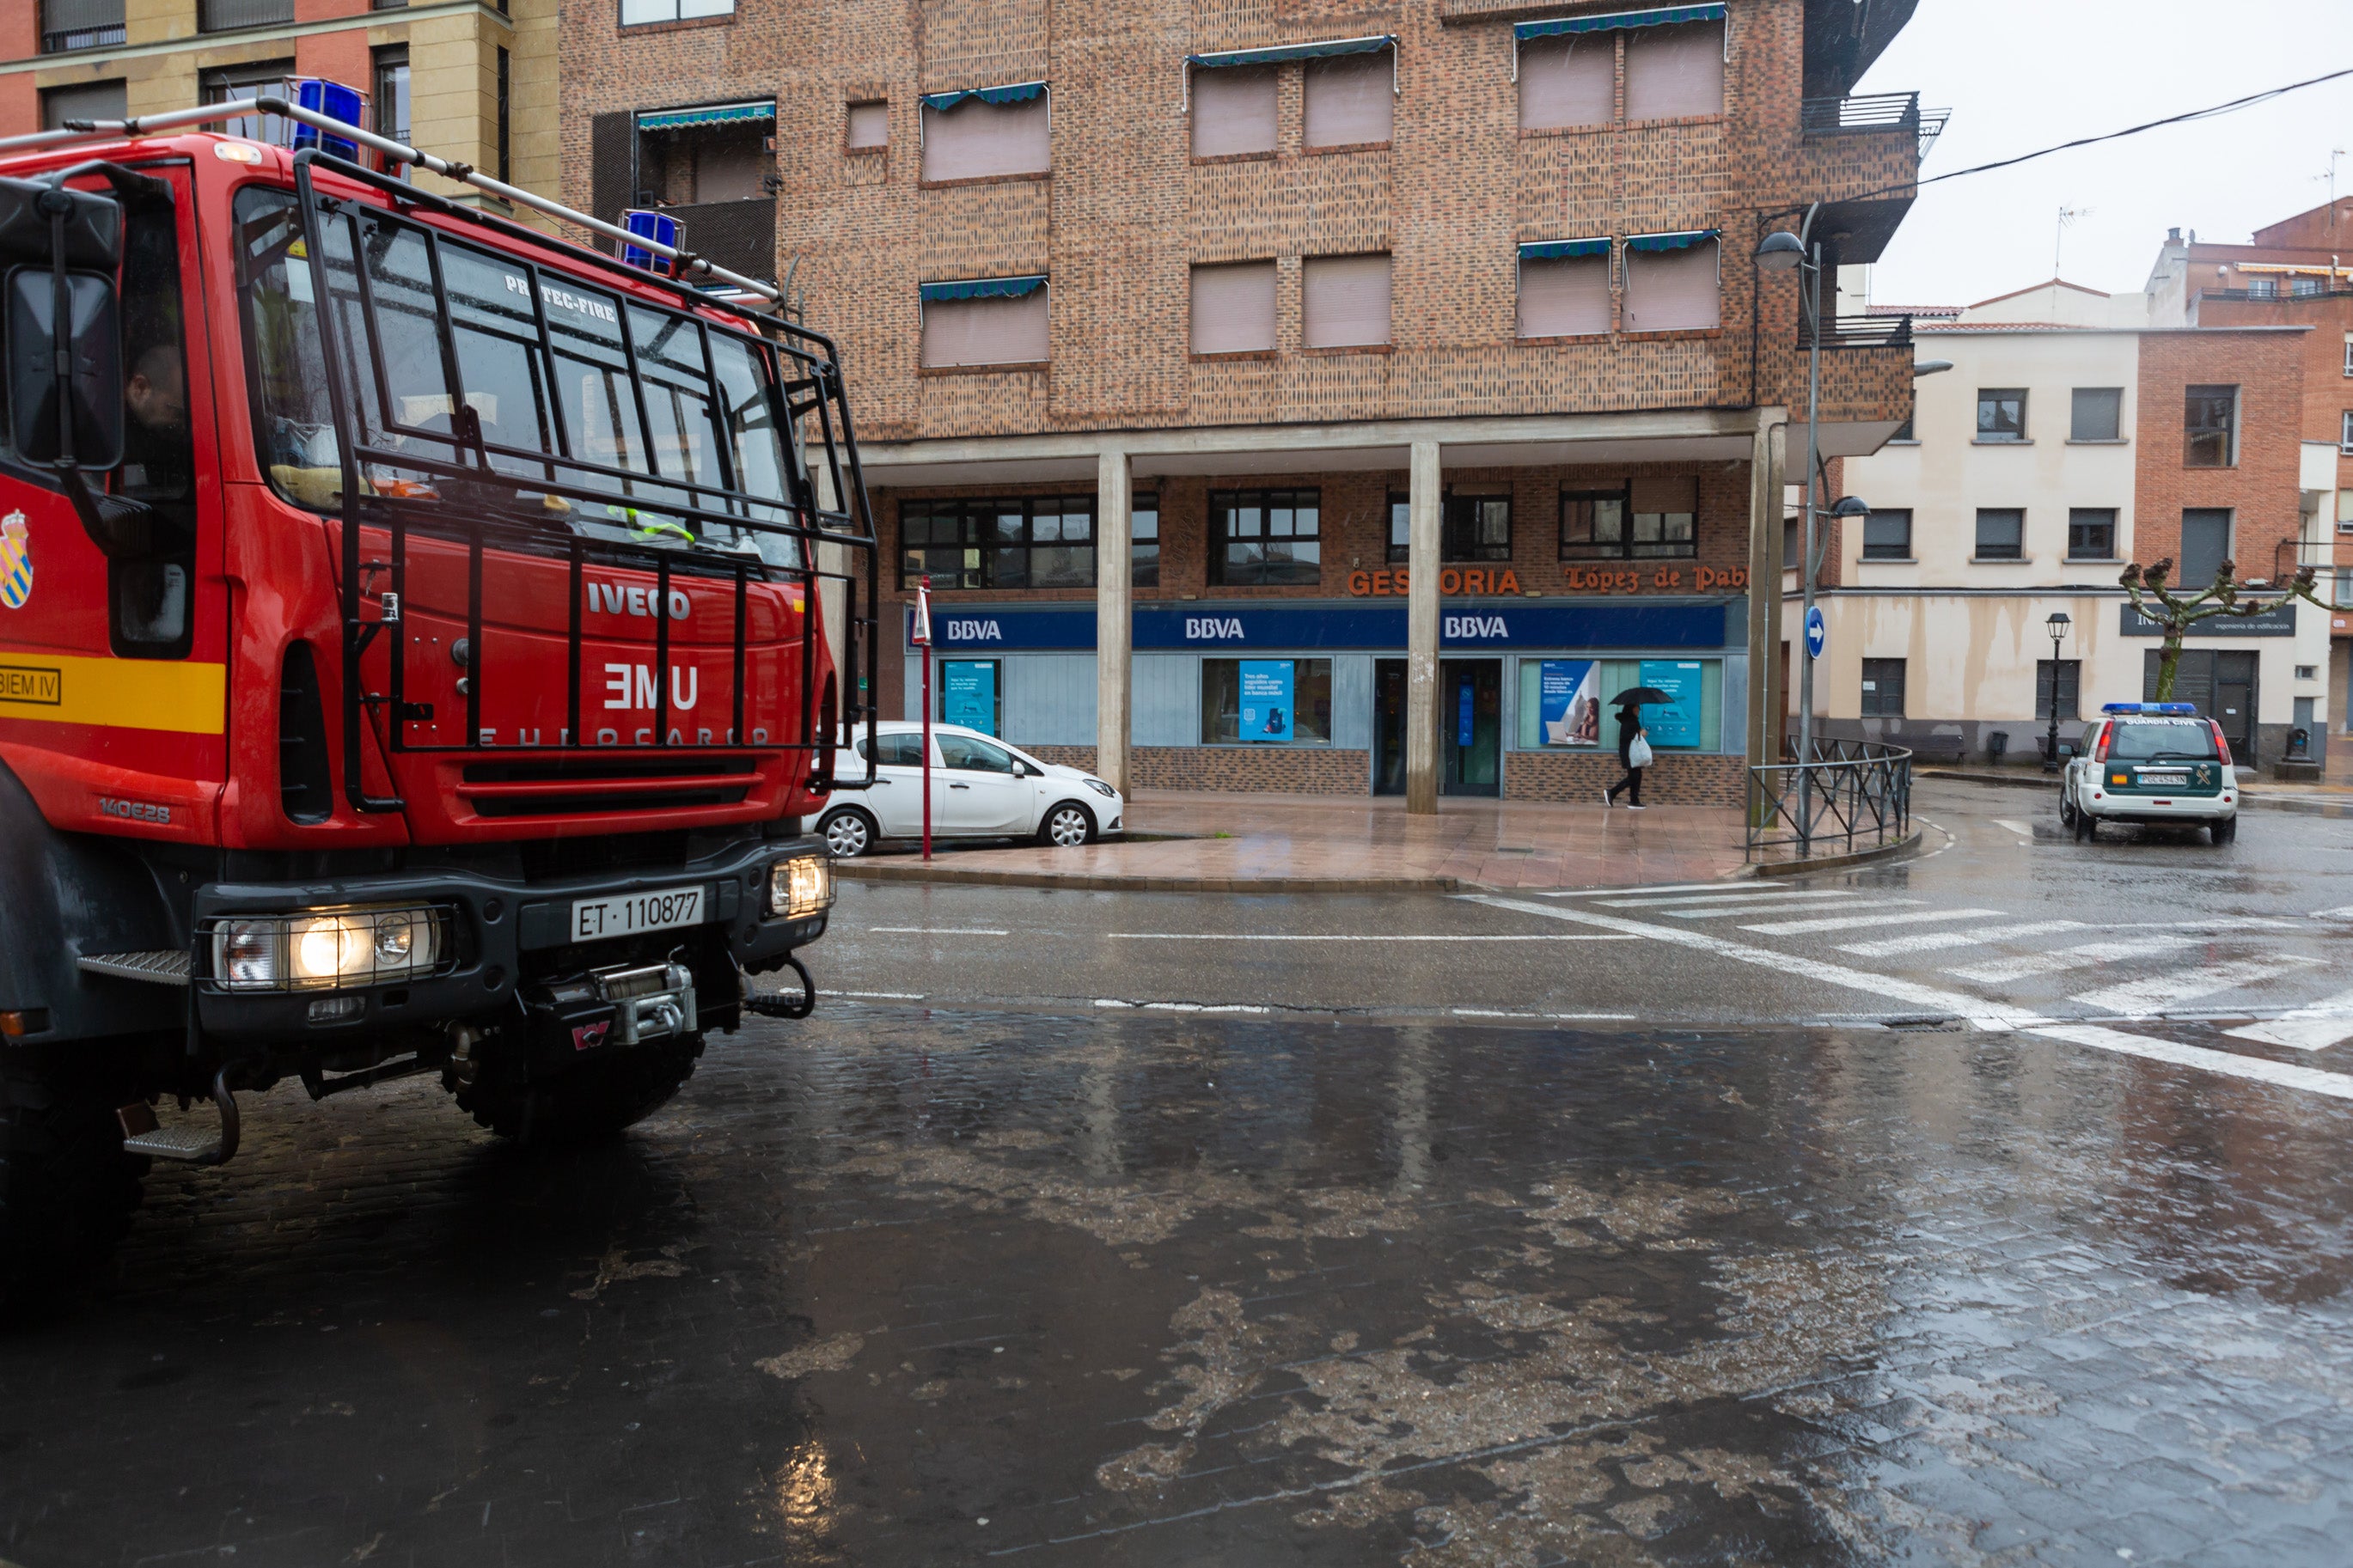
x=465, y=80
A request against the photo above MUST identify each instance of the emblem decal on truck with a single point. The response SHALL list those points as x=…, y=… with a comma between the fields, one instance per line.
x=16, y=561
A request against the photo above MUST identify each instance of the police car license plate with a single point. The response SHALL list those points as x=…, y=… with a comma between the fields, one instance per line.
x=595, y=918
x=2164, y=779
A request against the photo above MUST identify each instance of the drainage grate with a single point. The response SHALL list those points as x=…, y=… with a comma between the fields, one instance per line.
x=1927, y=1022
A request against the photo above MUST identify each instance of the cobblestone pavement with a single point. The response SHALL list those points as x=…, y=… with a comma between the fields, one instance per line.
x=903, y=1286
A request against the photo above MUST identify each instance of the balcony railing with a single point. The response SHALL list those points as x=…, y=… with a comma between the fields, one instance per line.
x=68, y=25
x=227, y=16
x=1872, y=111
x=1858, y=333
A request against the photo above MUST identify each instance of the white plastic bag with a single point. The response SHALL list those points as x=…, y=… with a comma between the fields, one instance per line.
x=1637, y=755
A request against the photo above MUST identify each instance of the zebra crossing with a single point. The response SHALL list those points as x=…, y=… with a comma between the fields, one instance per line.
x=2102, y=984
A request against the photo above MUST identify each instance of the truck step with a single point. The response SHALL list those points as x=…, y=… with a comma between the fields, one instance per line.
x=191, y=1145
x=164, y=966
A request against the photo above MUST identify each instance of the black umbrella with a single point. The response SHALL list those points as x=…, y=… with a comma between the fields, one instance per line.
x=1638, y=694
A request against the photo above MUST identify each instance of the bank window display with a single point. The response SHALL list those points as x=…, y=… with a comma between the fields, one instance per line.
x=1266, y=702
x=1882, y=689
x=1472, y=528
x=1143, y=542
x=1265, y=538
x=1039, y=542
x=1563, y=703
x=971, y=693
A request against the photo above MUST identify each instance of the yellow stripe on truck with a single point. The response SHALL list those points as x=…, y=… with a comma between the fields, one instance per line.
x=187, y=698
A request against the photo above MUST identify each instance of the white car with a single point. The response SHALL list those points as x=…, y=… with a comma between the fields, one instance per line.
x=981, y=788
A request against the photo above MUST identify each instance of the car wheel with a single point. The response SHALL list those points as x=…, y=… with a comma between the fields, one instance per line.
x=2066, y=809
x=1066, y=825
x=848, y=833
x=2223, y=829
x=2087, y=826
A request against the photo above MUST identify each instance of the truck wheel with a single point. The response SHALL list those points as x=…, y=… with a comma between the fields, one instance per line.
x=66, y=1189
x=593, y=1100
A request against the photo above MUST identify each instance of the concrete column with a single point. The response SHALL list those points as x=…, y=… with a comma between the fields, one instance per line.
x=1115, y=672
x=1421, y=636
x=1766, y=457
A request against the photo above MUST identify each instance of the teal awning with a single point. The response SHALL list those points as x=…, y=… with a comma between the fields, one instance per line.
x=1018, y=92
x=1278, y=53
x=720, y=114
x=1663, y=16
x=984, y=289
x=1671, y=241
x=1559, y=249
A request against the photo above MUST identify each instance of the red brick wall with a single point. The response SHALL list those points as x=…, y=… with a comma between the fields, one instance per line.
x=2328, y=390
x=2268, y=369
x=1272, y=770
x=1674, y=779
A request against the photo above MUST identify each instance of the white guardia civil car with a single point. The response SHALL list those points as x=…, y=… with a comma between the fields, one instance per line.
x=981, y=788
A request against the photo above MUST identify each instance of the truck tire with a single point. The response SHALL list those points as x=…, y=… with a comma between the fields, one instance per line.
x=66, y=1189
x=593, y=1100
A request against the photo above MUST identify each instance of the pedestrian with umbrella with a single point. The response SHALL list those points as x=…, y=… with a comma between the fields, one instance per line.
x=1633, y=744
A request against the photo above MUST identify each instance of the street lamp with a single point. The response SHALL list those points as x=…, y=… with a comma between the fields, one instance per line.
x=2057, y=625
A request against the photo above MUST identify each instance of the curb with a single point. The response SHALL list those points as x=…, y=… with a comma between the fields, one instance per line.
x=1097, y=883
x=2254, y=801
x=1902, y=846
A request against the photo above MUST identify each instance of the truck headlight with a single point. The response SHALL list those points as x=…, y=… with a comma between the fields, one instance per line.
x=802, y=886
x=330, y=950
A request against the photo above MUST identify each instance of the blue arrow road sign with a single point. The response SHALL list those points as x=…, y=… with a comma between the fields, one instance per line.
x=1818, y=632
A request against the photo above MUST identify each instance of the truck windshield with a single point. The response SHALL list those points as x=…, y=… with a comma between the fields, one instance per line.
x=565, y=385
x=2177, y=740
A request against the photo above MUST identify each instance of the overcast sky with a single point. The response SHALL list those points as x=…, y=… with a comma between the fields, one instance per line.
x=2023, y=74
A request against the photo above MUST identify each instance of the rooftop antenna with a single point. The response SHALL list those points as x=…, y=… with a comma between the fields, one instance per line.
x=2058, y=244
x=2334, y=155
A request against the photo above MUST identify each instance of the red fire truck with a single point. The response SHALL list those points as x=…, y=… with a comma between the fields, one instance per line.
x=412, y=656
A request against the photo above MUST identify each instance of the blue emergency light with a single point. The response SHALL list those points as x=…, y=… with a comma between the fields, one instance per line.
x=2164, y=709
x=334, y=101
x=658, y=226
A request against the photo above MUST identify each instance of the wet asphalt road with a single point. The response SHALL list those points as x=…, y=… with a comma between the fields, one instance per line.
x=975, y=1277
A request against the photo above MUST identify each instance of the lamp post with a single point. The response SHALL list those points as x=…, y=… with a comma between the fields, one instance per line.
x=2057, y=625
x=1779, y=252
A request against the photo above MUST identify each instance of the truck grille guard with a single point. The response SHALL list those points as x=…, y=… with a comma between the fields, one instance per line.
x=808, y=407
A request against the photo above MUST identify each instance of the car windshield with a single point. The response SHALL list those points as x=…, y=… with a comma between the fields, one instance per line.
x=2177, y=740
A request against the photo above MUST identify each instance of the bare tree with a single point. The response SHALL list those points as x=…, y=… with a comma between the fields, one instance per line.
x=2176, y=613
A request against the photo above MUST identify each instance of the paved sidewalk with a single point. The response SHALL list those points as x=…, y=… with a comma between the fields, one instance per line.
x=1294, y=843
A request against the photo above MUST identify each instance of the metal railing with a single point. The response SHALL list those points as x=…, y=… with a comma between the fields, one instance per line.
x=68, y=25
x=1853, y=795
x=1872, y=111
x=81, y=39
x=1858, y=333
x=227, y=16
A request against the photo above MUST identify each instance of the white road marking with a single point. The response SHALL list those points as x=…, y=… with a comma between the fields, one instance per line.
x=1721, y=897
x=1182, y=1007
x=1777, y=906
x=2139, y=998
x=1975, y=1010
x=1570, y=1017
x=2069, y=958
x=1848, y=922
x=935, y=931
x=2223, y=922
x=1308, y=936
x=878, y=995
x=2021, y=829
x=1607, y=892
x=2313, y=1028
x=2342, y=912
x=1932, y=940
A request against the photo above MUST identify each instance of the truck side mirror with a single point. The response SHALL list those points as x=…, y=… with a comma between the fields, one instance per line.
x=82, y=365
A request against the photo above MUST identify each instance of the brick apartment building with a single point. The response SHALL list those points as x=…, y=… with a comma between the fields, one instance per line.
x=1396, y=375
x=473, y=80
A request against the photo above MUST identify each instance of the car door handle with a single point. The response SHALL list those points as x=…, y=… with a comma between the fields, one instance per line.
x=960, y=786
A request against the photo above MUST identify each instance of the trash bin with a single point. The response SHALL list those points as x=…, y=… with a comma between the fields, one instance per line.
x=1997, y=745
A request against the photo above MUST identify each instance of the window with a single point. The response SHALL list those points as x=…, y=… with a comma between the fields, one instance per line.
x=969, y=753
x=1287, y=700
x=2098, y=414
x=2090, y=533
x=1351, y=101
x=1887, y=535
x=506, y=119
x=969, y=137
x=1265, y=537
x=1674, y=72
x=1793, y=543
x=2345, y=435
x=1670, y=283
x=225, y=16
x=148, y=589
x=2069, y=673
x=2349, y=353
x=2208, y=422
x=1233, y=308
x=1564, y=296
x=902, y=750
x=868, y=127
x=2001, y=414
x=1234, y=111
x=243, y=81
x=1143, y=542
x=80, y=25
x=2307, y=672
x=2263, y=288
x=1653, y=518
x=1035, y=541
x=1592, y=524
x=2344, y=587
x=2001, y=533
x=635, y=12
x=686, y=160
x=2297, y=287
x=1904, y=431
x=2205, y=545
x=1472, y=528
x=992, y=321
x=1569, y=81
x=1882, y=689
x=1347, y=300
x=90, y=100
x=390, y=100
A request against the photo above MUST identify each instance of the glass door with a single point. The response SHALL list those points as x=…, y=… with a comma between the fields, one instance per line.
x=1471, y=726
x=1389, y=726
